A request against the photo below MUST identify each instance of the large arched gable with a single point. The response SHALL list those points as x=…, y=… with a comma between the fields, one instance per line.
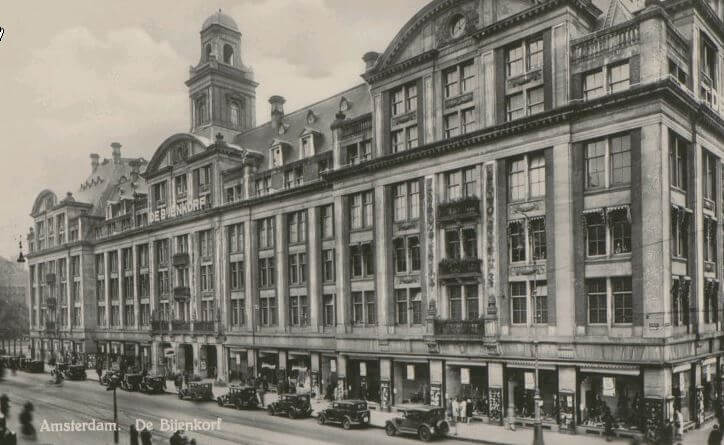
x=163, y=156
x=46, y=200
x=429, y=28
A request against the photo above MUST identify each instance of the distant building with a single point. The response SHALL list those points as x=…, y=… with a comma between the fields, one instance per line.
x=516, y=185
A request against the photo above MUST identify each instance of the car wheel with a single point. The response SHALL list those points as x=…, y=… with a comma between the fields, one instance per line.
x=219, y=401
x=321, y=420
x=346, y=424
x=424, y=434
x=390, y=429
x=271, y=411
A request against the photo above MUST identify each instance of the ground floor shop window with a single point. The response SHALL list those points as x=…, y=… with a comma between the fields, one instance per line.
x=238, y=366
x=363, y=379
x=611, y=398
x=522, y=384
x=300, y=379
x=681, y=389
x=268, y=365
x=411, y=383
x=469, y=383
x=328, y=378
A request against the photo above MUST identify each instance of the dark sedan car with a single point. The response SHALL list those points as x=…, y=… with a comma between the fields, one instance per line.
x=426, y=422
x=347, y=413
x=153, y=384
x=293, y=405
x=239, y=397
x=75, y=372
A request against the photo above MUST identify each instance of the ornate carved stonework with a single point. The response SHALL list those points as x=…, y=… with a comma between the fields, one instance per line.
x=490, y=216
x=430, y=248
x=459, y=100
x=444, y=35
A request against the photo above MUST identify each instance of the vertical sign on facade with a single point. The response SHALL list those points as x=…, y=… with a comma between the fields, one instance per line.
x=489, y=218
x=363, y=369
x=410, y=372
x=609, y=387
x=529, y=381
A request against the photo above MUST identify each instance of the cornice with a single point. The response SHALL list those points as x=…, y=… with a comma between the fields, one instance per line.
x=703, y=8
x=61, y=248
x=374, y=76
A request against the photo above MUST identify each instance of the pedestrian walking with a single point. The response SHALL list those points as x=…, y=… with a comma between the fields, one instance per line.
x=134, y=435
x=186, y=379
x=679, y=424
x=145, y=437
x=715, y=436
x=468, y=410
x=464, y=410
x=99, y=372
x=178, y=381
x=456, y=409
x=26, y=421
x=5, y=405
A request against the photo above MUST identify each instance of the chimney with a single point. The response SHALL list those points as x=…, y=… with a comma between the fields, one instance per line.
x=116, y=152
x=277, y=110
x=370, y=59
x=95, y=157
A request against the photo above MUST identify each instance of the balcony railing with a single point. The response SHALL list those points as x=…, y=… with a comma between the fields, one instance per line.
x=204, y=326
x=50, y=325
x=160, y=326
x=467, y=207
x=181, y=293
x=181, y=259
x=460, y=328
x=460, y=266
x=611, y=39
x=180, y=326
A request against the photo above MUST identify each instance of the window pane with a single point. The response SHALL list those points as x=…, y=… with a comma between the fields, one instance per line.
x=621, y=160
x=537, y=174
x=595, y=164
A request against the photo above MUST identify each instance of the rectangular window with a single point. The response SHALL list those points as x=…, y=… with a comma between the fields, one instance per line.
x=678, y=155
x=535, y=102
x=538, y=238
x=620, y=160
x=329, y=310
x=595, y=164
x=452, y=244
x=268, y=311
x=709, y=162
x=411, y=137
x=453, y=182
x=235, y=236
x=620, y=231
x=540, y=301
x=519, y=302
x=622, y=300
x=265, y=233
x=181, y=187
x=537, y=175
x=328, y=265
x=516, y=237
x=401, y=306
x=535, y=54
x=297, y=227
x=595, y=234
x=236, y=275
x=451, y=81
x=326, y=216
x=516, y=179
x=597, y=301
x=710, y=230
x=514, y=61
x=266, y=272
x=593, y=85
x=400, y=255
x=413, y=251
x=400, y=202
x=468, y=120
x=618, y=77
x=368, y=207
x=471, y=302
x=455, y=302
x=297, y=268
x=159, y=194
x=515, y=106
x=452, y=125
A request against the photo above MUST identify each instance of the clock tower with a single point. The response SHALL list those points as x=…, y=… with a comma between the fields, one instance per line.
x=222, y=91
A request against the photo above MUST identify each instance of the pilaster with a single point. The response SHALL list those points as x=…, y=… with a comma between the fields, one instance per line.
x=341, y=231
x=280, y=256
x=314, y=252
x=383, y=272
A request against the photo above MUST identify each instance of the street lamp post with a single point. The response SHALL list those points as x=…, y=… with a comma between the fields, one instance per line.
x=537, y=401
x=112, y=386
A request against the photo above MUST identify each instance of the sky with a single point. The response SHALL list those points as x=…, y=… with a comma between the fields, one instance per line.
x=77, y=75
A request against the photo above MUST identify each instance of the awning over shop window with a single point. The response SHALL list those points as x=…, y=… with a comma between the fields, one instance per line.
x=610, y=369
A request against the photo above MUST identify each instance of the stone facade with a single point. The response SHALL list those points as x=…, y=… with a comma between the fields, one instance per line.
x=519, y=196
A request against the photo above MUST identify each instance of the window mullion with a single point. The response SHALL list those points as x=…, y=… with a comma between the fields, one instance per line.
x=609, y=302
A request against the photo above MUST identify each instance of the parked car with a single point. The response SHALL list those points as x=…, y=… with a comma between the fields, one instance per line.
x=426, y=422
x=131, y=382
x=153, y=384
x=240, y=397
x=196, y=391
x=347, y=413
x=108, y=376
x=293, y=405
x=34, y=366
x=75, y=372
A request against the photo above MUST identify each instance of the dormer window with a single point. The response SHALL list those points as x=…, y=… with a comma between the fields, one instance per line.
x=276, y=159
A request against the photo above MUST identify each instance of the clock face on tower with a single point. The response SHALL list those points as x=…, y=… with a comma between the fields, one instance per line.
x=458, y=26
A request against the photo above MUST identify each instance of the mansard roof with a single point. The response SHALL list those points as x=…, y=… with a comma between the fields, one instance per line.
x=297, y=123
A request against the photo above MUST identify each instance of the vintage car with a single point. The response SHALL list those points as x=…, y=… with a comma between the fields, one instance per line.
x=347, y=413
x=74, y=372
x=131, y=381
x=61, y=368
x=153, y=384
x=240, y=397
x=196, y=391
x=426, y=422
x=108, y=376
x=34, y=366
x=293, y=405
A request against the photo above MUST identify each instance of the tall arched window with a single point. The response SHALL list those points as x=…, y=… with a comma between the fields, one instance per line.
x=208, y=52
x=234, y=114
x=228, y=54
x=201, y=116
